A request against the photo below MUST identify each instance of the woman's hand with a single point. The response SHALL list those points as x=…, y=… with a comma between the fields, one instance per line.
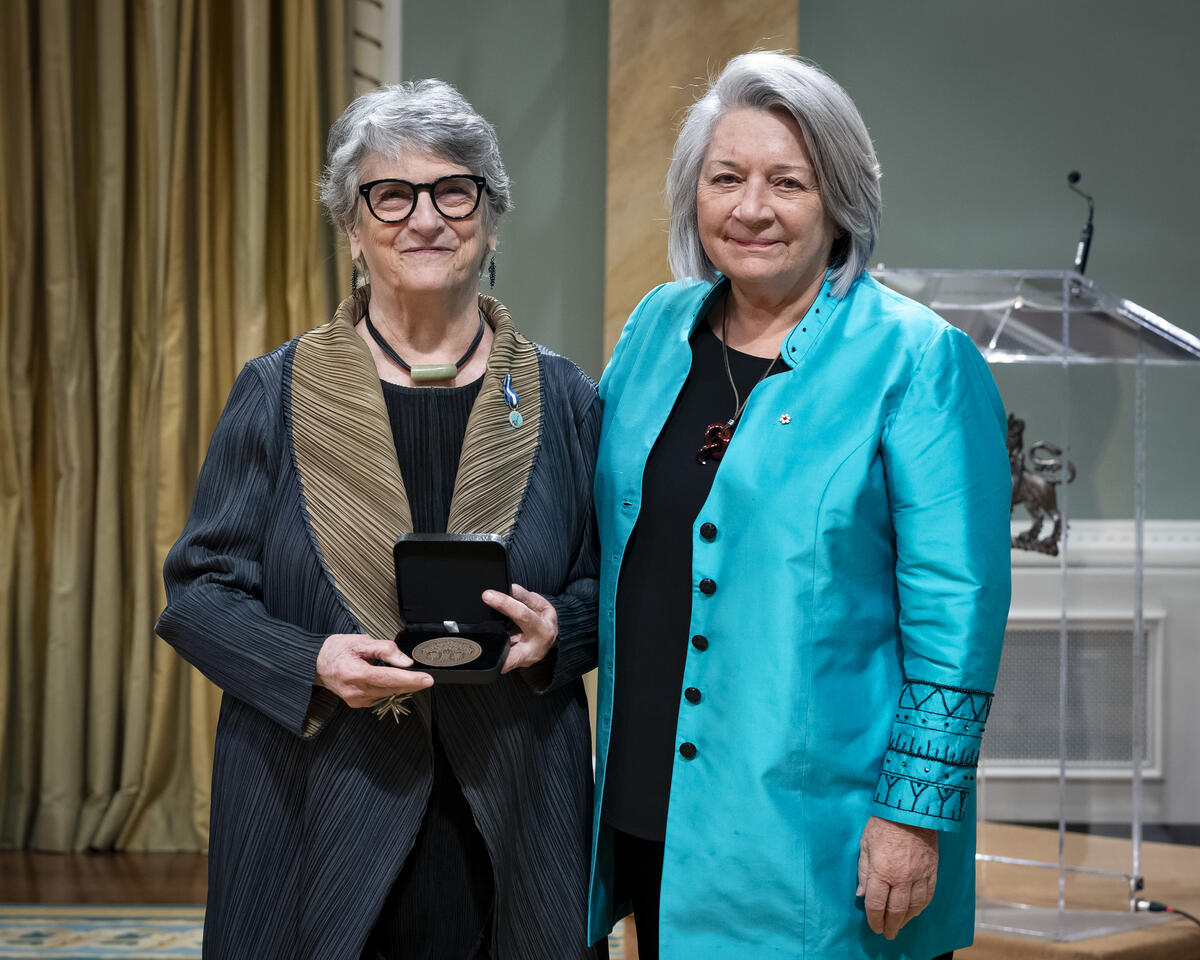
x=536, y=623
x=897, y=871
x=346, y=666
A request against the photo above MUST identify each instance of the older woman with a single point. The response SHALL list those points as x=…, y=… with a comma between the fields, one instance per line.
x=459, y=828
x=803, y=499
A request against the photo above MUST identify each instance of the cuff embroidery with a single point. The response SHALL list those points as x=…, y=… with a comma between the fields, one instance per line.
x=929, y=767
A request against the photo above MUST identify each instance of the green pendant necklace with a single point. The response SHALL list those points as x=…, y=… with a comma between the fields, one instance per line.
x=425, y=372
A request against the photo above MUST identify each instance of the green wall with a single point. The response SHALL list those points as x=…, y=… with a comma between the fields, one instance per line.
x=978, y=110
x=538, y=70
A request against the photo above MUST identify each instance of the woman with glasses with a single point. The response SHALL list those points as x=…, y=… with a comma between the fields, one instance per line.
x=803, y=499
x=359, y=809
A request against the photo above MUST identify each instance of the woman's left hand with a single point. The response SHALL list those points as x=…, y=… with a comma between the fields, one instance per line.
x=536, y=623
x=897, y=871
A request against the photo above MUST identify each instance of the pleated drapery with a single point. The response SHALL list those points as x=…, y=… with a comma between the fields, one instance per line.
x=157, y=229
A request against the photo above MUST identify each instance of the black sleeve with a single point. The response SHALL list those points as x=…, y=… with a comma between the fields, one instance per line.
x=577, y=605
x=215, y=616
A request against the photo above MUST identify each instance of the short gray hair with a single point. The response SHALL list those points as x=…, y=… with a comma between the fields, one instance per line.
x=425, y=115
x=837, y=140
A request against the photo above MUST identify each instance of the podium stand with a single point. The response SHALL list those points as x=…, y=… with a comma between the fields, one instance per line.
x=1080, y=368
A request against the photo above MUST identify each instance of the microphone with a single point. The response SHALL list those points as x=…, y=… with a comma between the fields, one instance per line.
x=1085, y=238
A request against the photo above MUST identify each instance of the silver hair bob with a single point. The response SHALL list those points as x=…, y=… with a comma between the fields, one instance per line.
x=425, y=115
x=837, y=141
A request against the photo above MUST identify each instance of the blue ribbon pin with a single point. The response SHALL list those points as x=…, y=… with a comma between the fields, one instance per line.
x=510, y=400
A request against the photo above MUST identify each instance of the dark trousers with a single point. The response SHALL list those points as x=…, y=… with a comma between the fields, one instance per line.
x=638, y=879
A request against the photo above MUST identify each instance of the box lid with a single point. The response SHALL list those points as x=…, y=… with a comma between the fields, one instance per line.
x=440, y=577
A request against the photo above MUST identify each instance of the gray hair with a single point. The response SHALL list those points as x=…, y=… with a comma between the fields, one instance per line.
x=425, y=115
x=837, y=140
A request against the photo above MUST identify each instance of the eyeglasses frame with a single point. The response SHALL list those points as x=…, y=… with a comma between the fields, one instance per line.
x=417, y=188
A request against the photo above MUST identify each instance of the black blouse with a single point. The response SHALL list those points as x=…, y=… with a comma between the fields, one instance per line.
x=654, y=595
x=428, y=426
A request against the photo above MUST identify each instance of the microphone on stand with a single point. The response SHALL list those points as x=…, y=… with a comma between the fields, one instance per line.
x=1085, y=238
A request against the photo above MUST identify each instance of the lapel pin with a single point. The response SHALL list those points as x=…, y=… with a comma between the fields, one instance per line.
x=785, y=418
x=510, y=401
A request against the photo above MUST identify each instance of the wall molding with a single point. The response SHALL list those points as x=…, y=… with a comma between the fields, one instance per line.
x=1110, y=543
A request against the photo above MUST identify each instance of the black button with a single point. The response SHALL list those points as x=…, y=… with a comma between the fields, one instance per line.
x=687, y=750
x=700, y=642
x=708, y=531
x=708, y=586
x=692, y=694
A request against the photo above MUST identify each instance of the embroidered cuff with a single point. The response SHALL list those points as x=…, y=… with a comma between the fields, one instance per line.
x=928, y=775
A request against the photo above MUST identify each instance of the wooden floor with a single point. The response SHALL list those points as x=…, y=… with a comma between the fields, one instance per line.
x=156, y=878
x=1172, y=872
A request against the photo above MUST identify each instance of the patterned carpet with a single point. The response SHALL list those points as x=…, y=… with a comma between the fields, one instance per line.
x=35, y=932
x=38, y=932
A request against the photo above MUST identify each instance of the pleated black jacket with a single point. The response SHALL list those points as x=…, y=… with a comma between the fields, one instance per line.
x=315, y=805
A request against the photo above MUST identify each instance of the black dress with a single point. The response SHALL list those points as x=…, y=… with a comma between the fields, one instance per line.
x=440, y=907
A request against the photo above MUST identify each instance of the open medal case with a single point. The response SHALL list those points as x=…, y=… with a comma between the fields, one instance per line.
x=449, y=631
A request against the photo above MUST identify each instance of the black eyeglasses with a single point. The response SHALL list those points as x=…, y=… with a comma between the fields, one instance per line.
x=455, y=197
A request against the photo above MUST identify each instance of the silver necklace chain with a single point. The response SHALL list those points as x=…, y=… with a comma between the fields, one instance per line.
x=738, y=403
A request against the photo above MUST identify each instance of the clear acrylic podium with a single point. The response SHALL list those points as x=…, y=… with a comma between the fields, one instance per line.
x=1068, y=737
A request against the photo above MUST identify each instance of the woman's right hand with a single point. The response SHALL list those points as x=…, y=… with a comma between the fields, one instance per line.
x=345, y=665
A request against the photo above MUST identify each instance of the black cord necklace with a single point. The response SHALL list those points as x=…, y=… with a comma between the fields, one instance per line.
x=425, y=372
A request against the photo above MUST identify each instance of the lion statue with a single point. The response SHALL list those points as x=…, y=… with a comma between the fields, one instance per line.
x=1033, y=485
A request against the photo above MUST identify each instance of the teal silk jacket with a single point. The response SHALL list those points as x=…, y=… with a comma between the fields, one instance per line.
x=863, y=579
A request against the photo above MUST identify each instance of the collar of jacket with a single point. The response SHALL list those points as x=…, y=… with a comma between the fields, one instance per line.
x=345, y=455
x=799, y=341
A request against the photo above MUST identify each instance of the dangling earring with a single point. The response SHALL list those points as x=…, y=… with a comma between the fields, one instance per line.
x=492, y=273
x=354, y=278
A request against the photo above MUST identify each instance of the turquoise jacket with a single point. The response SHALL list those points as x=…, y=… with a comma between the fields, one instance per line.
x=862, y=568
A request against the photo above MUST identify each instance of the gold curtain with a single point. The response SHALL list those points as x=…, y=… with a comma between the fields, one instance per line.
x=157, y=229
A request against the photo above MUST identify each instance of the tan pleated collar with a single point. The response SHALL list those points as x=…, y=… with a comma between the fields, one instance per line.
x=354, y=495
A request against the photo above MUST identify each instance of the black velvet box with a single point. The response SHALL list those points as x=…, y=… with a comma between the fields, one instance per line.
x=449, y=631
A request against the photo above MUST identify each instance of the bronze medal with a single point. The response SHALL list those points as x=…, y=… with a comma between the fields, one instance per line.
x=447, y=651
